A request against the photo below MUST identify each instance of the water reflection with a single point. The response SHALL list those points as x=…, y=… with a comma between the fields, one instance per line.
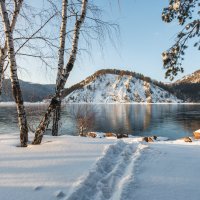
x=171, y=120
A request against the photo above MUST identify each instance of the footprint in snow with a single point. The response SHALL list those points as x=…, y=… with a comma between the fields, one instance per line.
x=59, y=194
x=37, y=188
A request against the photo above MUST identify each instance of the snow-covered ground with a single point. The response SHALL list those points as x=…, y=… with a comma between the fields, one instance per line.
x=78, y=168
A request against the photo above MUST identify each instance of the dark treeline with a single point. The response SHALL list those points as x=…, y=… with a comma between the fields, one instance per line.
x=189, y=92
x=32, y=92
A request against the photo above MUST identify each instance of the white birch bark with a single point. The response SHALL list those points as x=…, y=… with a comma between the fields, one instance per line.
x=62, y=78
x=72, y=58
x=14, y=77
x=61, y=53
x=4, y=50
x=3, y=55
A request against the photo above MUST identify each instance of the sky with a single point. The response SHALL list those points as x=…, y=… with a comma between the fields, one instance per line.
x=143, y=37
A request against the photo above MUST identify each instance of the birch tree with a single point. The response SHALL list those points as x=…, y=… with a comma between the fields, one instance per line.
x=63, y=73
x=57, y=110
x=30, y=35
x=96, y=30
x=17, y=94
x=27, y=31
x=4, y=49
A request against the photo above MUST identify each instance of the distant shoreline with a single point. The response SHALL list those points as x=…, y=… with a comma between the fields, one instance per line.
x=12, y=103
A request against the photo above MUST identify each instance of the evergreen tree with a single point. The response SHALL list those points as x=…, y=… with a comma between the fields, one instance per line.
x=186, y=12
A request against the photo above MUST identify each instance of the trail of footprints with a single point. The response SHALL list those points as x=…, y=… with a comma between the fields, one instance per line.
x=113, y=174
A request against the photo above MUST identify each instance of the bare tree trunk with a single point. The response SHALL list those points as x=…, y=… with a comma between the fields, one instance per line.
x=44, y=122
x=2, y=61
x=61, y=52
x=14, y=78
x=81, y=131
x=4, y=50
x=62, y=78
x=57, y=111
x=64, y=75
x=56, y=119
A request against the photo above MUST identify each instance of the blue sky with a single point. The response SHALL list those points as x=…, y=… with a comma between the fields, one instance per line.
x=143, y=37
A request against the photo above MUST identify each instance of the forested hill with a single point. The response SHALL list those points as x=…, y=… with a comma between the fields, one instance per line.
x=190, y=79
x=32, y=92
x=114, y=86
x=187, y=88
x=118, y=86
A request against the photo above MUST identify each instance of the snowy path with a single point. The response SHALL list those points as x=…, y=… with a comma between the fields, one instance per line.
x=76, y=168
x=111, y=173
x=131, y=171
x=47, y=171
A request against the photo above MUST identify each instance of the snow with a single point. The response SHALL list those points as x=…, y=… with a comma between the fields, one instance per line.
x=110, y=88
x=12, y=103
x=83, y=168
x=45, y=171
x=168, y=172
x=191, y=78
x=176, y=5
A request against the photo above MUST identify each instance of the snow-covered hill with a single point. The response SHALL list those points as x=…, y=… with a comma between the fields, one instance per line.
x=188, y=87
x=191, y=78
x=118, y=88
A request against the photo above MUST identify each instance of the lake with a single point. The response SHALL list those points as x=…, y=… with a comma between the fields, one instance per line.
x=169, y=120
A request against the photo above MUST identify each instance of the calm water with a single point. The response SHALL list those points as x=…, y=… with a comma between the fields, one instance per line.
x=168, y=120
